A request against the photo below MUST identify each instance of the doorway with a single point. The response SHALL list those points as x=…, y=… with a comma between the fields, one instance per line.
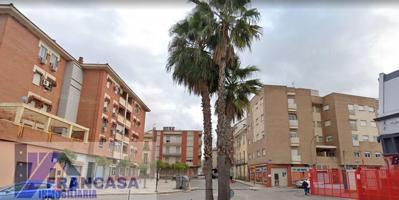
x=279, y=177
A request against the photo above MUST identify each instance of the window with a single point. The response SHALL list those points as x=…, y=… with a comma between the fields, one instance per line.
x=360, y=108
x=293, y=134
x=375, y=139
x=353, y=124
x=371, y=109
x=101, y=142
x=317, y=124
x=326, y=107
x=365, y=138
x=292, y=116
x=109, y=83
x=373, y=124
x=351, y=107
x=329, y=138
x=263, y=152
x=258, y=153
x=363, y=123
x=316, y=109
x=367, y=154
x=291, y=101
x=43, y=54
x=327, y=123
x=53, y=62
x=356, y=154
x=319, y=138
x=355, y=140
x=37, y=78
x=377, y=155
x=261, y=117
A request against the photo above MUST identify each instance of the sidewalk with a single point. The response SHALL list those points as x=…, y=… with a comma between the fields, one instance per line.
x=163, y=188
x=251, y=185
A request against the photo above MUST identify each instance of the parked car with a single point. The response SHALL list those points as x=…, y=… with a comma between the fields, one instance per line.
x=29, y=189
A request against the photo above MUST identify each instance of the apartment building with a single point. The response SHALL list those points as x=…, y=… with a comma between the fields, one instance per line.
x=51, y=101
x=292, y=129
x=114, y=114
x=388, y=116
x=148, y=157
x=240, y=169
x=172, y=146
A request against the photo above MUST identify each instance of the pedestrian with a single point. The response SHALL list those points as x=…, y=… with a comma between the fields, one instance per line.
x=305, y=186
x=308, y=181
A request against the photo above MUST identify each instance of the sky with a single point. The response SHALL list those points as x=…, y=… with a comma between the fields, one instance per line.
x=329, y=47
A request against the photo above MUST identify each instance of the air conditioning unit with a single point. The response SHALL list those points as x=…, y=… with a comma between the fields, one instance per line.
x=46, y=84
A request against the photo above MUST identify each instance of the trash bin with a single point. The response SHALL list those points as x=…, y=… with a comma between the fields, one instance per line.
x=179, y=182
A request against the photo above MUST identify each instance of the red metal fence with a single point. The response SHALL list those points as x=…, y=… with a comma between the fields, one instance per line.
x=364, y=184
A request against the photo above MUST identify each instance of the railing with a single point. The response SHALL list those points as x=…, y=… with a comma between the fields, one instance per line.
x=292, y=106
x=26, y=115
x=293, y=123
x=296, y=158
x=294, y=140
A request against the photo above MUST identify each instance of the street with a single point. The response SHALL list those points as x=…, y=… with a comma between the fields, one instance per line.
x=241, y=192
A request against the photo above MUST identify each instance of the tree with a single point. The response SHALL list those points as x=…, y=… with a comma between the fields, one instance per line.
x=143, y=170
x=235, y=28
x=238, y=90
x=103, y=161
x=192, y=66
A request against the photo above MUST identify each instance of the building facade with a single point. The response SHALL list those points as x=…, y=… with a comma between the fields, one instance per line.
x=292, y=129
x=184, y=146
x=388, y=116
x=240, y=169
x=49, y=101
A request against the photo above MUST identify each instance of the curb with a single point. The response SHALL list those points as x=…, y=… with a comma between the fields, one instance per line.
x=251, y=185
x=144, y=193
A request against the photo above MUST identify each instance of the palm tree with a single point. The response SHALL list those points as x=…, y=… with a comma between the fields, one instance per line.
x=238, y=90
x=192, y=66
x=235, y=28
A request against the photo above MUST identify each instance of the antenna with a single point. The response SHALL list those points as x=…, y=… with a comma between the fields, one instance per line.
x=293, y=83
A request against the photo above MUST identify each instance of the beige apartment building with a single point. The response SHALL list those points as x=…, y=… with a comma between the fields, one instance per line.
x=240, y=169
x=292, y=129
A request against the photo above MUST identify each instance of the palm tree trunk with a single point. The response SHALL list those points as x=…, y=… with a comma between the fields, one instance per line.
x=222, y=142
x=207, y=168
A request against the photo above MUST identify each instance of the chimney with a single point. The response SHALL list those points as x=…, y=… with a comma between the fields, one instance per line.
x=80, y=60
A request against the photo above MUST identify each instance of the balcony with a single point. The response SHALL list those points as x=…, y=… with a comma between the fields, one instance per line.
x=292, y=107
x=296, y=158
x=240, y=162
x=294, y=141
x=26, y=115
x=128, y=123
x=129, y=108
x=122, y=101
x=293, y=123
x=178, y=154
x=120, y=119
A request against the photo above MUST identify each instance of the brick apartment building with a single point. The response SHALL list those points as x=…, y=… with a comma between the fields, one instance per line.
x=171, y=146
x=292, y=129
x=51, y=101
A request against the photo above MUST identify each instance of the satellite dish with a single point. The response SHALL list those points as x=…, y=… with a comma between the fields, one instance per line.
x=24, y=99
